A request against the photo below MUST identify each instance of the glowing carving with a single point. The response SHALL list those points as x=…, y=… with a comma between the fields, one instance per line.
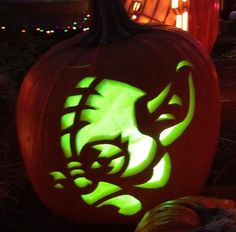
x=118, y=149
x=128, y=205
x=96, y=165
x=74, y=164
x=166, y=117
x=82, y=182
x=169, y=135
x=116, y=165
x=175, y=100
x=67, y=120
x=72, y=101
x=172, y=12
x=103, y=189
x=86, y=82
x=161, y=174
x=107, y=150
x=156, y=102
x=65, y=144
x=58, y=176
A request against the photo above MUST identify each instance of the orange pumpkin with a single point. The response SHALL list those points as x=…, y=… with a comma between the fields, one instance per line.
x=199, y=17
x=189, y=213
x=105, y=133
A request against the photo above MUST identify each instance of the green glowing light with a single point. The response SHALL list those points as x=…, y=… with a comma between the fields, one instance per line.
x=116, y=165
x=67, y=120
x=156, y=102
x=163, y=117
x=114, y=111
x=183, y=64
x=89, y=115
x=161, y=174
x=58, y=175
x=169, y=135
x=107, y=150
x=72, y=101
x=110, y=115
x=65, y=144
x=175, y=100
x=128, y=205
x=82, y=182
x=86, y=82
x=94, y=101
x=74, y=164
x=142, y=150
x=96, y=165
x=76, y=172
x=59, y=186
x=103, y=189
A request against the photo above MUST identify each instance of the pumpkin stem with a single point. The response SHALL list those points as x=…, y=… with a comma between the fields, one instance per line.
x=110, y=22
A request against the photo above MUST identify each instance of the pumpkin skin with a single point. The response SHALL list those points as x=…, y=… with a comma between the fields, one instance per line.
x=117, y=165
x=203, y=17
x=181, y=215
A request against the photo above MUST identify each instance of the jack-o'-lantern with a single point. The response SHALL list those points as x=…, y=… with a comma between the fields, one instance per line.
x=190, y=214
x=199, y=17
x=113, y=122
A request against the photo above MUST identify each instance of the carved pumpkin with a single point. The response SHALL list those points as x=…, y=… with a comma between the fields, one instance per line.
x=199, y=17
x=107, y=131
x=190, y=214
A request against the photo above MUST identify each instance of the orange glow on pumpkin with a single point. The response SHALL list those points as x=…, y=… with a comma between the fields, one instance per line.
x=171, y=12
x=199, y=17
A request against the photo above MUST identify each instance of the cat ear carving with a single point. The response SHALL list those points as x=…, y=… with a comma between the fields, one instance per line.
x=161, y=110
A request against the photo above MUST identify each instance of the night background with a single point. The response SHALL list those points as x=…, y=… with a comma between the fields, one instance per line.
x=30, y=28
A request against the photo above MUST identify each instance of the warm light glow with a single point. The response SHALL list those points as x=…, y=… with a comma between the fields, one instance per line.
x=174, y=12
x=178, y=21
x=136, y=6
x=185, y=21
x=181, y=18
x=175, y=4
x=134, y=17
x=3, y=27
x=182, y=21
x=86, y=29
